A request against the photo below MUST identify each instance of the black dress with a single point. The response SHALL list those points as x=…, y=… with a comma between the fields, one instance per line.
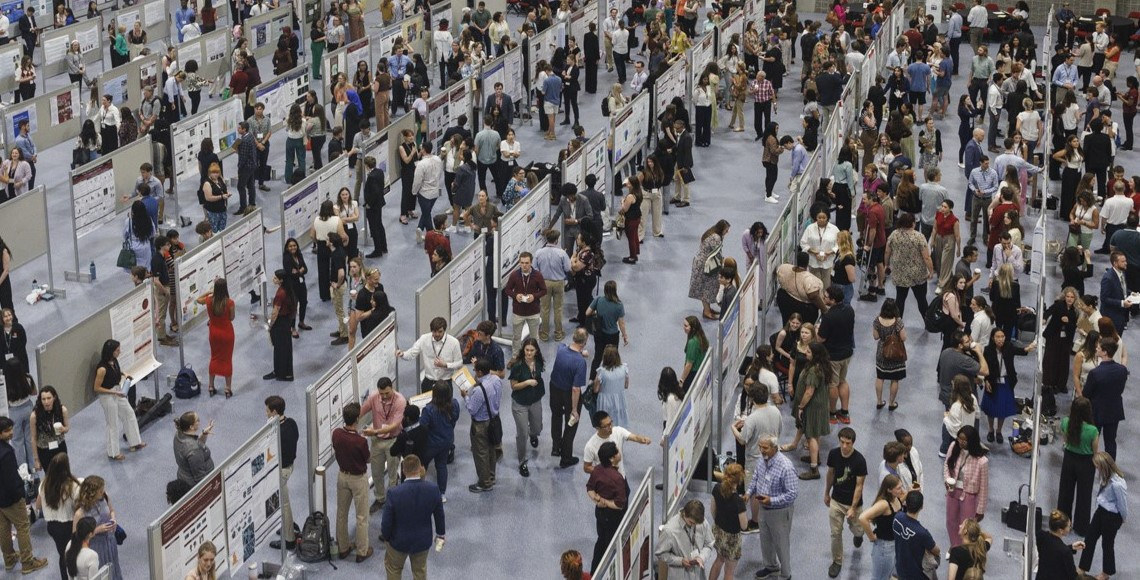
x=14, y=352
x=295, y=266
x=590, y=54
x=6, y=287
x=1058, y=345
x=1055, y=558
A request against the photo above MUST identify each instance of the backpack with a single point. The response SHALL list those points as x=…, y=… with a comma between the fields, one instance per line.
x=314, y=543
x=597, y=261
x=606, y=106
x=186, y=384
x=933, y=318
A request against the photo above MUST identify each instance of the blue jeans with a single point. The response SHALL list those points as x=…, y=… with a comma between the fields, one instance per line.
x=425, y=212
x=21, y=415
x=882, y=559
x=440, y=459
x=294, y=157
x=848, y=293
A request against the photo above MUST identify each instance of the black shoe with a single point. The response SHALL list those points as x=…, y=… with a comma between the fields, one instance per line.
x=269, y=377
x=287, y=379
x=568, y=462
x=476, y=488
x=629, y=260
x=524, y=470
x=240, y=210
x=555, y=452
x=564, y=123
x=858, y=541
x=534, y=442
x=767, y=572
x=339, y=341
x=752, y=528
x=335, y=334
x=990, y=437
x=810, y=475
x=374, y=255
x=1000, y=439
x=834, y=569
x=451, y=456
x=376, y=506
x=880, y=291
x=573, y=320
x=276, y=545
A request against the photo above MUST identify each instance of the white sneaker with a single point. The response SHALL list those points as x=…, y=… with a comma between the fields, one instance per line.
x=771, y=199
x=451, y=229
x=444, y=498
x=962, y=165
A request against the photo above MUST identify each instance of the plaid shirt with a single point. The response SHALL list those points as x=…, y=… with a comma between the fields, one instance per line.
x=247, y=152
x=974, y=472
x=762, y=91
x=777, y=479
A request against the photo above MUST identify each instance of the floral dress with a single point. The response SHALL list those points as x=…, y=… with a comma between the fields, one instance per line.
x=705, y=286
x=884, y=369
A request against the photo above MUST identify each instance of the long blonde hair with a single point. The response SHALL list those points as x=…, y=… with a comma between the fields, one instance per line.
x=91, y=491
x=976, y=546
x=846, y=247
x=1005, y=280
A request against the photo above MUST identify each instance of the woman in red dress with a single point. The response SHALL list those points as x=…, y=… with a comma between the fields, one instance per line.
x=221, y=311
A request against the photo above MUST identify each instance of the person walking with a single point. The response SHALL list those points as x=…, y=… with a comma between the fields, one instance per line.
x=112, y=391
x=609, y=490
x=966, y=474
x=843, y=495
x=438, y=421
x=13, y=510
x=351, y=451
x=567, y=380
x=811, y=412
x=1111, y=512
x=729, y=521
x=527, y=391
x=482, y=403
x=406, y=522
x=1082, y=441
x=878, y=526
x=525, y=288
x=907, y=254
x=890, y=352
x=837, y=333
x=610, y=312
x=703, y=283
x=553, y=264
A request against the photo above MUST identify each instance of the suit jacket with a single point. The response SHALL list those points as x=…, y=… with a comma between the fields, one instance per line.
x=406, y=523
x=374, y=189
x=972, y=156
x=684, y=150
x=27, y=26
x=1007, y=353
x=1098, y=151
x=1105, y=388
x=508, y=108
x=1111, y=298
x=590, y=48
x=583, y=212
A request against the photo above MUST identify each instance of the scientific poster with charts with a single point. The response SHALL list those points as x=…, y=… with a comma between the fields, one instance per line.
x=729, y=340
x=728, y=27
x=515, y=84
x=332, y=393
x=132, y=324
x=201, y=518
x=93, y=196
x=88, y=37
x=749, y=307
x=148, y=75
x=574, y=170
x=520, y=229
x=216, y=48
x=495, y=72
x=687, y=435
x=629, y=127
x=376, y=357
x=260, y=35
x=301, y=205
x=186, y=140
x=356, y=54
x=243, y=246
x=253, y=495
x=127, y=18
x=64, y=107
x=196, y=274
x=634, y=546
x=597, y=160
x=439, y=116
x=466, y=284
x=190, y=51
x=154, y=13
x=10, y=62
x=460, y=102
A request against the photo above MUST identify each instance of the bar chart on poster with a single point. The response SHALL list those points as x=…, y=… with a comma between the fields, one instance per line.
x=197, y=270
x=93, y=192
x=252, y=488
x=597, y=159
x=686, y=436
x=200, y=518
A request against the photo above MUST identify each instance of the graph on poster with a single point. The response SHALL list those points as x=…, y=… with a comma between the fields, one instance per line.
x=200, y=519
x=466, y=284
x=93, y=198
x=253, y=496
x=197, y=271
x=133, y=326
x=333, y=392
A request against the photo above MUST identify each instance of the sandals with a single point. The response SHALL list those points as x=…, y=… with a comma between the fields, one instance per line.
x=296, y=334
x=138, y=447
x=213, y=391
x=788, y=447
x=229, y=393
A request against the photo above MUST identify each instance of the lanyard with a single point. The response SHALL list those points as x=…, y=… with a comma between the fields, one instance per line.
x=438, y=351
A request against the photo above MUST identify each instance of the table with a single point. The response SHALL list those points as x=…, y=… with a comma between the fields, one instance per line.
x=1119, y=26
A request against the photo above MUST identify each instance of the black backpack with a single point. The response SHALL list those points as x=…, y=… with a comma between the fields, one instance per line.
x=314, y=544
x=606, y=106
x=933, y=318
x=187, y=385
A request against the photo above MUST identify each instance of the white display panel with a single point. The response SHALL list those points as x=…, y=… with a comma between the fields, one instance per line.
x=749, y=306
x=541, y=47
x=520, y=229
x=93, y=196
x=196, y=274
x=132, y=324
x=466, y=283
x=252, y=485
x=574, y=170
x=597, y=160
x=729, y=340
x=439, y=116
x=734, y=24
x=700, y=56
x=218, y=124
x=687, y=435
x=334, y=391
x=515, y=84
x=201, y=518
x=630, y=127
x=375, y=357
x=300, y=207
x=243, y=245
x=282, y=92
x=580, y=23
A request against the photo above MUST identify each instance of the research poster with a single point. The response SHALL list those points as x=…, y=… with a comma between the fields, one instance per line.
x=597, y=161
x=190, y=51
x=216, y=48
x=703, y=53
x=10, y=54
x=154, y=13
x=376, y=358
x=574, y=170
x=515, y=85
x=521, y=228
x=64, y=107
x=19, y=115
x=132, y=324
x=730, y=26
x=300, y=206
x=670, y=84
x=493, y=73
x=196, y=274
x=460, y=103
x=439, y=116
x=332, y=393
x=243, y=246
x=186, y=141
x=580, y=23
x=629, y=127
x=729, y=340
x=127, y=18
x=749, y=306
x=200, y=519
x=688, y=435
x=55, y=48
x=93, y=196
x=634, y=556
x=466, y=283
x=357, y=53
x=148, y=75
x=117, y=88
x=253, y=496
x=88, y=37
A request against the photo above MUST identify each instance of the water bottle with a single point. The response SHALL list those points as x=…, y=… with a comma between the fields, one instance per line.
x=1016, y=429
x=253, y=575
x=91, y=270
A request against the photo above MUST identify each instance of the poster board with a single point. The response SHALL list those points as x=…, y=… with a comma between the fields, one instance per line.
x=96, y=188
x=345, y=59
x=513, y=78
x=749, y=298
x=702, y=53
x=195, y=272
x=281, y=92
x=672, y=83
x=629, y=128
x=630, y=553
x=444, y=110
x=211, y=51
x=263, y=30
x=540, y=47
x=125, y=82
x=218, y=124
x=302, y=202
x=198, y=517
x=580, y=23
x=324, y=400
x=243, y=248
x=597, y=159
x=395, y=127
x=53, y=117
x=55, y=42
x=375, y=357
x=156, y=21
x=68, y=360
x=460, y=286
x=237, y=255
x=686, y=436
x=734, y=24
x=24, y=225
x=522, y=226
x=574, y=170
x=10, y=56
x=411, y=29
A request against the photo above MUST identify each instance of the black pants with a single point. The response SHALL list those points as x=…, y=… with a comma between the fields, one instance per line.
x=771, y=172
x=195, y=100
x=1109, y=229
x=1070, y=178
x=1128, y=118
x=1077, y=473
x=407, y=199
x=398, y=96
x=302, y=293
x=32, y=181
x=954, y=44
x=317, y=143
x=978, y=91
x=543, y=121
x=584, y=293
x=375, y=216
x=606, y=522
x=263, y=165
x=109, y=134
x=1104, y=524
x=601, y=341
x=919, y=297
x=842, y=206
x=323, y=257
x=619, y=63
x=592, y=77
x=481, y=171
x=1101, y=174
x=704, y=126
x=761, y=116
x=60, y=533
x=789, y=305
x=570, y=101
x=247, y=190
x=1108, y=437
x=561, y=432
x=282, y=338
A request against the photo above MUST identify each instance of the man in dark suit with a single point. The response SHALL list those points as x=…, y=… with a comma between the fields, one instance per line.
x=597, y=206
x=374, y=207
x=1098, y=153
x=406, y=522
x=503, y=101
x=1105, y=389
x=591, y=53
x=683, y=151
x=28, y=30
x=575, y=211
x=1113, y=301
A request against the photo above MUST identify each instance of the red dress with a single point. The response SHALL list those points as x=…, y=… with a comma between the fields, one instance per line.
x=221, y=341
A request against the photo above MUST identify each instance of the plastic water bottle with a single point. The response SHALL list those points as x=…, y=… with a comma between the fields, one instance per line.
x=91, y=269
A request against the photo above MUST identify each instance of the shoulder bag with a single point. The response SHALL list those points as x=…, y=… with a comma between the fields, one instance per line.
x=495, y=426
x=894, y=349
x=713, y=262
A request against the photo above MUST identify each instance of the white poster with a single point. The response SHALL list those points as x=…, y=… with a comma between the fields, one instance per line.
x=190, y=51
x=117, y=88
x=439, y=116
x=597, y=160
x=574, y=170
x=154, y=13
x=521, y=228
x=186, y=140
x=515, y=84
x=630, y=127
x=332, y=393
x=749, y=306
x=686, y=436
x=358, y=53
x=55, y=48
x=244, y=249
x=466, y=283
x=132, y=324
x=216, y=48
x=253, y=497
x=127, y=18
x=148, y=76
x=702, y=54
x=88, y=37
x=196, y=274
x=10, y=55
x=301, y=206
x=93, y=195
x=376, y=358
x=734, y=24
x=64, y=107
x=200, y=519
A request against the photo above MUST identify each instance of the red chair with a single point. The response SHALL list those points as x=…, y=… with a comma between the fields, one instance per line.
x=1102, y=11
x=1082, y=34
x=1134, y=15
x=992, y=7
x=958, y=6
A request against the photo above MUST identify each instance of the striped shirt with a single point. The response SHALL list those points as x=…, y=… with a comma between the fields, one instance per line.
x=984, y=180
x=776, y=479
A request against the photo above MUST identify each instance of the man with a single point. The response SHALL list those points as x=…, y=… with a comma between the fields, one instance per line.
x=977, y=19
x=29, y=32
x=683, y=152
x=406, y=524
x=567, y=379
x=837, y=333
x=965, y=268
x=351, y=451
x=1105, y=390
x=912, y=540
x=774, y=485
x=1010, y=158
x=387, y=408
x=954, y=34
x=1065, y=78
x=620, y=40
x=482, y=402
x=5, y=25
x=247, y=169
x=1114, y=303
x=965, y=358
x=685, y=543
x=981, y=71
x=637, y=81
x=150, y=109
x=799, y=163
x=460, y=126
x=1006, y=252
x=553, y=263
x=1103, y=94
x=573, y=209
x=763, y=97
x=191, y=30
x=604, y=431
x=995, y=101
x=262, y=130
x=1100, y=44
x=1114, y=215
x=1097, y=147
x=13, y=510
x=275, y=411
x=27, y=149
x=843, y=495
x=983, y=184
x=182, y=16
x=597, y=206
x=484, y=347
x=374, y=207
x=918, y=73
x=830, y=86
x=503, y=101
x=609, y=25
x=426, y=181
x=552, y=97
x=931, y=194
x=160, y=274
x=439, y=352
x=363, y=136
x=524, y=287
x=763, y=420
x=897, y=58
x=875, y=244
x=487, y=152
x=940, y=86
x=1127, y=242
x=481, y=21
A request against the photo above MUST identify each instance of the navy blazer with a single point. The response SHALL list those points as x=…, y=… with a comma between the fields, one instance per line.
x=1105, y=388
x=507, y=110
x=1112, y=298
x=406, y=523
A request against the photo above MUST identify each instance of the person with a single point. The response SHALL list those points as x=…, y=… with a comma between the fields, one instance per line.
x=48, y=426
x=222, y=311
x=13, y=512
x=215, y=192
x=965, y=358
x=246, y=147
x=1082, y=441
x=686, y=542
x=326, y=222
x=426, y=181
x=997, y=397
x=191, y=454
x=631, y=212
x=94, y=502
x=963, y=410
x=439, y=352
x=406, y=522
x=567, y=379
x=1055, y=556
x=438, y=420
x=966, y=475
x=610, y=312
x=907, y=254
x=811, y=410
x=843, y=495
x=293, y=262
x=553, y=264
x=261, y=127
x=1105, y=388
x=338, y=279
x=525, y=287
x=27, y=148
x=275, y=411
x=887, y=329
x=482, y=402
x=702, y=278
x=371, y=307
x=775, y=486
x=111, y=389
x=878, y=525
x=912, y=540
x=968, y=559
x=483, y=346
x=15, y=175
x=527, y=390
x=387, y=408
x=821, y=241
x=204, y=563
x=351, y=451
x=605, y=431
x=609, y=490
x=837, y=333
x=139, y=234
x=21, y=407
x=1060, y=329
x=729, y=520
x=1111, y=513
x=696, y=347
x=610, y=384
x=79, y=561
x=280, y=328
x=1113, y=302
x=373, y=207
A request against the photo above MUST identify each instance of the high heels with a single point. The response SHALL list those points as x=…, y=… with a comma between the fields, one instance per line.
x=229, y=393
x=213, y=391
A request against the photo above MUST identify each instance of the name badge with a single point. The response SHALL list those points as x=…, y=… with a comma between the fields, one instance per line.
x=260, y=136
x=53, y=445
x=9, y=357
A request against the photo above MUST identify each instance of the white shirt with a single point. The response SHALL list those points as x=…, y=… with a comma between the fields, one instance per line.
x=980, y=328
x=609, y=25
x=505, y=148
x=1115, y=210
x=817, y=240
x=994, y=100
x=701, y=97
x=442, y=40
x=66, y=510
x=854, y=61
x=5, y=25
x=978, y=17
x=428, y=349
x=638, y=80
x=258, y=9
x=1029, y=125
x=621, y=41
x=108, y=117
x=428, y=177
x=191, y=31
x=618, y=436
x=1100, y=41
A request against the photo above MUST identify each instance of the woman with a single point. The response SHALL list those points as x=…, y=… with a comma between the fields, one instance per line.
x=703, y=97
x=770, y=157
x=670, y=394
x=908, y=256
x=945, y=243
x=1111, y=511
x=138, y=234
x=611, y=321
x=1030, y=125
x=617, y=101
x=221, y=311
x=703, y=275
x=1084, y=361
x=610, y=385
x=15, y=173
x=216, y=194
x=729, y=521
x=729, y=281
x=326, y=222
x=1129, y=98
x=57, y=493
x=120, y=50
x=652, y=180
x=362, y=81
x=483, y=216
x=294, y=142
x=293, y=262
x=93, y=502
x=21, y=389
x=888, y=329
x=355, y=21
x=1072, y=159
x=877, y=522
x=696, y=347
x=811, y=412
x=953, y=318
x=26, y=78
x=1076, y=267
x=800, y=353
x=110, y=390
x=438, y=420
x=1060, y=327
x=49, y=424
x=929, y=145
x=194, y=83
x=280, y=326
x=349, y=213
x=982, y=321
x=963, y=410
x=207, y=554
x=997, y=398
x=570, y=87
x=631, y=213
x=1082, y=441
x=510, y=150
x=128, y=127
x=1005, y=295
x=585, y=268
x=527, y=390
x=1084, y=219
x=609, y=491
x=79, y=561
x=966, y=474
x=409, y=154
x=191, y=454
x=738, y=92
x=968, y=559
x=1108, y=331
x=88, y=144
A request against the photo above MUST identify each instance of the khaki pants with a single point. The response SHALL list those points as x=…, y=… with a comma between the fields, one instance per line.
x=943, y=255
x=555, y=292
x=383, y=464
x=352, y=490
x=836, y=513
x=338, y=308
x=394, y=564
x=609, y=50
x=737, y=113
x=286, y=507
x=650, y=208
x=682, y=193
x=517, y=322
x=16, y=515
x=161, y=307
x=824, y=274
x=482, y=452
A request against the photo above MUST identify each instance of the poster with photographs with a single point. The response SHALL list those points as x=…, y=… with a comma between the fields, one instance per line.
x=148, y=75
x=63, y=107
x=117, y=88
x=252, y=484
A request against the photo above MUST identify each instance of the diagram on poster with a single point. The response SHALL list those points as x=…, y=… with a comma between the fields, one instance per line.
x=93, y=195
x=216, y=48
x=300, y=207
x=10, y=54
x=376, y=357
x=117, y=88
x=127, y=18
x=196, y=274
x=332, y=393
x=521, y=228
x=243, y=246
x=62, y=107
x=190, y=51
x=202, y=518
x=749, y=306
x=88, y=37
x=597, y=160
x=574, y=170
x=148, y=75
x=133, y=326
x=629, y=127
x=466, y=283
x=253, y=496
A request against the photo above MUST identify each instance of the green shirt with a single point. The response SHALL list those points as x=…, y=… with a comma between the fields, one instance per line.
x=1089, y=433
x=694, y=354
x=983, y=68
x=610, y=313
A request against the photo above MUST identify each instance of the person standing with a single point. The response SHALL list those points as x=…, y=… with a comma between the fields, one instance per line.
x=351, y=450
x=966, y=474
x=775, y=486
x=1082, y=441
x=29, y=32
x=620, y=41
x=27, y=148
x=262, y=130
x=837, y=333
x=907, y=254
x=374, y=207
x=1111, y=511
x=843, y=495
x=426, y=181
x=112, y=394
x=913, y=541
x=887, y=503
x=387, y=407
x=191, y=454
x=275, y=411
x=1105, y=389
x=482, y=403
x=811, y=389
x=575, y=211
x=686, y=542
x=13, y=510
x=552, y=97
x=525, y=287
x=683, y=163
x=763, y=99
x=567, y=379
x=553, y=264
x=439, y=352
x=406, y=523
x=820, y=241
x=762, y=420
x=280, y=329
x=246, y=147
x=1113, y=291
x=487, y=146
x=609, y=490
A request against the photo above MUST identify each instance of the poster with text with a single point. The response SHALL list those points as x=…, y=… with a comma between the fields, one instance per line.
x=597, y=160
x=55, y=48
x=376, y=358
x=117, y=88
x=93, y=196
x=244, y=249
x=63, y=107
x=132, y=324
x=154, y=13
x=253, y=496
x=332, y=393
x=301, y=205
x=200, y=518
x=466, y=283
x=196, y=274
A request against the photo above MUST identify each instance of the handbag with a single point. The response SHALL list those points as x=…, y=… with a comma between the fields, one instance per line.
x=126, y=257
x=120, y=535
x=713, y=262
x=894, y=349
x=687, y=175
x=589, y=399
x=1075, y=229
x=495, y=425
x=1016, y=516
